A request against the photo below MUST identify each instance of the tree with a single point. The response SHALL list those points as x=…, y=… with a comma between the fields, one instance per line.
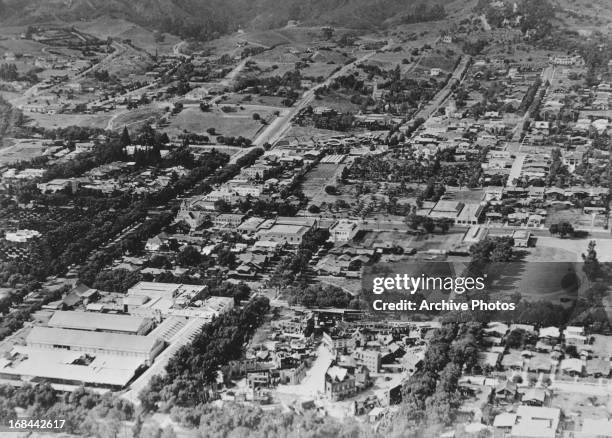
x=256, y=116
x=221, y=205
x=225, y=257
x=125, y=137
x=189, y=256
x=562, y=229
x=591, y=267
x=515, y=338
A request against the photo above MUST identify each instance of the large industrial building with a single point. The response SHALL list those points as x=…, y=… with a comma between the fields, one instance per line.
x=67, y=369
x=144, y=347
x=101, y=322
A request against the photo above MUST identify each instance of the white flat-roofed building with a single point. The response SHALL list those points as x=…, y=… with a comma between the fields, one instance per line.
x=101, y=322
x=163, y=290
x=469, y=214
x=343, y=231
x=291, y=234
x=52, y=338
x=21, y=236
x=446, y=209
x=65, y=369
x=229, y=220
x=536, y=422
x=219, y=305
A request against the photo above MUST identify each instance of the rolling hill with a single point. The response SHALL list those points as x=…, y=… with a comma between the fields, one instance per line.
x=207, y=18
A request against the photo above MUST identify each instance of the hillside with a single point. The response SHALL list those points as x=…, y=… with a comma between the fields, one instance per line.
x=204, y=19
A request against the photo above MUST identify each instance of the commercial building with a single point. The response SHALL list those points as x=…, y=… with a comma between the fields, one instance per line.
x=67, y=370
x=101, y=322
x=52, y=338
x=291, y=234
x=163, y=290
x=343, y=231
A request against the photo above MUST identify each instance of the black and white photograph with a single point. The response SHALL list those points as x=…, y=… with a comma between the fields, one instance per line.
x=305, y=218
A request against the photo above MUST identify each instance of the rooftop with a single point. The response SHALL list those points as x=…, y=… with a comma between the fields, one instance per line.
x=94, y=340
x=104, y=369
x=97, y=321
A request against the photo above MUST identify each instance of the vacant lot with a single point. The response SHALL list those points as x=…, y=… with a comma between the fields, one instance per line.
x=538, y=279
x=316, y=180
x=119, y=29
x=51, y=121
x=134, y=118
x=18, y=150
x=575, y=217
x=573, y=403
x=253, y=99
x=318, y=69
x=239, y=123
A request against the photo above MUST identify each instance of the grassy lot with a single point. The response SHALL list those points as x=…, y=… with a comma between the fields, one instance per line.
x=104, y=27
x=279, y=55
x=136, y=117
x=583, y=404
x=255, y=99
x=575, y=217
x=320, y=69
x=51, y=121
x=465, y=195
x=236, y=124
x=316, y=180
x=304, y=133
x=16, y=150
x=21, y=46
x=338, y=102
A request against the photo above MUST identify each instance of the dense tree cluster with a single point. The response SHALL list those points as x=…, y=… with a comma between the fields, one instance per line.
x=85, y=413
x=291, y=266
x=433, y=172
x=430, y=397
x=10, y=118
x=488, y=251
x=320, y=296
x=194, y=367
x=13, y=320
x=244, y=420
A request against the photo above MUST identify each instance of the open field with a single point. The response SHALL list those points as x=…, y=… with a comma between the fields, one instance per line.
x=575, y=217
x=51, y=121
x=239, y=123
x=252, y=99
x=136, y=117
x=119, y=29
x=572, y=403
x=17, y=45
x=337, y=101
x=538, y=280
x=577, y=247
x=320, y=176
x=18, y=150
x=304, y=133
x=320, y=69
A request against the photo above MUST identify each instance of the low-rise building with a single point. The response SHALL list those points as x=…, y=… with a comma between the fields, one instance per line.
x=119, y=344
x=101, y=322
x=343, y=231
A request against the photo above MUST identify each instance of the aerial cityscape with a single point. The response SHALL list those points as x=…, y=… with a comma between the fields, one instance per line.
x=306, y=218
